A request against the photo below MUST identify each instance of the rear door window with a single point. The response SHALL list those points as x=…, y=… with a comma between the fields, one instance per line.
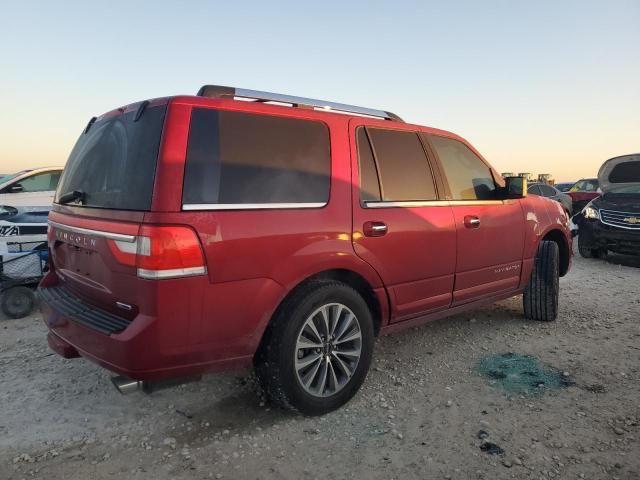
x=41, y=182
x=242, y=160
x=402, y=165
x=534, y=190
x=547, y=191
x=369, y=184
x=114, y=163
x=468, y=176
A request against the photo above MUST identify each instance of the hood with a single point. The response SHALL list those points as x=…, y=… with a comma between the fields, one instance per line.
x=623, y=203
x=622, y=171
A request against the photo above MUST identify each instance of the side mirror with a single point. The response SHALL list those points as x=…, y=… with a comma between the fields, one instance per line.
x=15, y=188
x=515, y=187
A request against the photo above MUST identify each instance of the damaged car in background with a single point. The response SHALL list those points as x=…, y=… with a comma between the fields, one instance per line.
x=611, y=222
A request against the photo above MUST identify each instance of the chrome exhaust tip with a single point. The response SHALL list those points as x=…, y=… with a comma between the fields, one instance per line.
x=125, y=385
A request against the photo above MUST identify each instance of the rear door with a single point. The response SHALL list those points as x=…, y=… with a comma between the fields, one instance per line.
x=490, y=232
x=401, y=226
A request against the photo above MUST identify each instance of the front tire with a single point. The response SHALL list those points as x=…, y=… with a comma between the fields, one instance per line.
x=317, y=351
x=540, y=299
x=586, y=251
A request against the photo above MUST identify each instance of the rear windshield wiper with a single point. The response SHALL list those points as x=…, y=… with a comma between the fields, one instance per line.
x=71, y=196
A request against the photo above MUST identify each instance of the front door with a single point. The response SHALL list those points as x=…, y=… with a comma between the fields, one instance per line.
x=490, y=232
x=401, y=226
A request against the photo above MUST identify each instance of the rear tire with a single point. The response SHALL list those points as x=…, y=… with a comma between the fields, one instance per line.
x=334, y=374
x=540, y=299
x=17, y=302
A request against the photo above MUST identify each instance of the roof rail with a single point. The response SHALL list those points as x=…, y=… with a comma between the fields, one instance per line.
x=219, y=91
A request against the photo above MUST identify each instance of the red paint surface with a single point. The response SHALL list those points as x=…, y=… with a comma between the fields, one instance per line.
x=427, y=262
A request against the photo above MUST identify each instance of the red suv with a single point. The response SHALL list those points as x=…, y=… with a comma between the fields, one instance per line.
x=200, y=233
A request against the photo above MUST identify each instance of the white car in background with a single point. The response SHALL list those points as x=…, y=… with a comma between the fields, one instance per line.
x=30, y=188
x=25, y=200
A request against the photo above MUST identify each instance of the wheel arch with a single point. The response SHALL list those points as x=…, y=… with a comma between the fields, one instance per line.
x=377, y=307
x=555, y=235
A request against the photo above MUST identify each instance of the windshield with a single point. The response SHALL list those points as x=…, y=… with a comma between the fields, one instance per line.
x=113, y=164
x=633, y=189
x=585, y=186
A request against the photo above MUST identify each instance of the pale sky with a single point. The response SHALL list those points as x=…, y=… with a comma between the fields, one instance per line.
x=544, y=86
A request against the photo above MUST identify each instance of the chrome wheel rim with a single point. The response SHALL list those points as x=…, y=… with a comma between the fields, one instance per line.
x=328, y=349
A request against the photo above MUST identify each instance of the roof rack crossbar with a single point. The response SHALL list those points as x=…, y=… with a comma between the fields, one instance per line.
x=219, y=91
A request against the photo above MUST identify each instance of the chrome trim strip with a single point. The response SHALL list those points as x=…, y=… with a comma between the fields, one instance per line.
x=96, y=233
x=619, y=226
x=250, y=206
x=620, y=220
x=453, y=203
x=435, y=203
x=426, y=203
x=618, y=212
x=170, y=273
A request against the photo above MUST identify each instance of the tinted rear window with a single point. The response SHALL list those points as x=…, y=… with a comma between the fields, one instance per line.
x=114, y=163
x=237, y=158
x=404, y=171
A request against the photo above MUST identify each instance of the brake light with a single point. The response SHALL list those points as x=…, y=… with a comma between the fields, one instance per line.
x=162, y=252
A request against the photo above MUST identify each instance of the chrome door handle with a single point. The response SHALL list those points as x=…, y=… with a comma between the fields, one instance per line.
x=375, y=229
x=471, y=221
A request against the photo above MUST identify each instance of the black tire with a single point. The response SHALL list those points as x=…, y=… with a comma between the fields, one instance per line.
x=275, y=364
x=586, y=251
x=540, y=298
x=17, y=302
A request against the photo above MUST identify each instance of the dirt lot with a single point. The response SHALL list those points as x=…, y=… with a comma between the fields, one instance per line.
x=417, y=416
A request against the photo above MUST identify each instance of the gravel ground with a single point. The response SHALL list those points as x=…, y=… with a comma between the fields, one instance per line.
x=417, y=416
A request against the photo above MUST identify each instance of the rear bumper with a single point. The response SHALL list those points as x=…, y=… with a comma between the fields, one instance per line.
x=61, y=347
x=168, y=345
x=596, y=235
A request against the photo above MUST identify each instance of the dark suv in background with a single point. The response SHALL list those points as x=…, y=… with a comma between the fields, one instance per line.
x=612, y=222
x=237, y=228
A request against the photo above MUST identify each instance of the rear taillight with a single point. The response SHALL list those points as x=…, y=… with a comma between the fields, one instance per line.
x=162, y=252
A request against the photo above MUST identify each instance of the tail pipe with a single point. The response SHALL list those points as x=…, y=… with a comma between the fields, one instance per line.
x=126, y=385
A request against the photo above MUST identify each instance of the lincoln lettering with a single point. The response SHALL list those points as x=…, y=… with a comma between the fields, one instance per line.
x=75, y=238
